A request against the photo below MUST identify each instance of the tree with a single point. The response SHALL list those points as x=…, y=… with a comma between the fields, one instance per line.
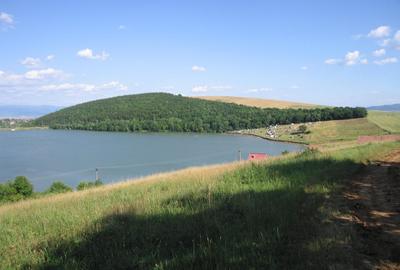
x=23, y=186
x=58, y=187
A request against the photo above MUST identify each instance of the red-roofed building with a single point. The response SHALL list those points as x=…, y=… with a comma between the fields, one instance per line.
x=257, y=156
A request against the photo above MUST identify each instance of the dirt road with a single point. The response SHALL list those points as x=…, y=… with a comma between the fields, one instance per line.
x=374, y=202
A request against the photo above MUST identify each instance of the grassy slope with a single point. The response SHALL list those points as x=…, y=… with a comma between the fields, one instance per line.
x=265, y=215
x=389, y=121
x=259, y=102
x=326, y=132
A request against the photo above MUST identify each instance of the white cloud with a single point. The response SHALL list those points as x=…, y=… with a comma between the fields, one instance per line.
x=30, y=62
x=380, y=32
x=257, y=90
x=384, y=42
x=113, y=85
x=351, y=58
x=200, y=89
x=397, y=36
x=50, y=57
x=40, y=74
x=332, y=61
x=6, y=20
x=88, y=53
x=390, y=60
x=294, y=86
x=121, y=27
x=379, y=52
x=304, y=68
x=198, y=69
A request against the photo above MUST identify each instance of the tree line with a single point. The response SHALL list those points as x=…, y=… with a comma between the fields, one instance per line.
x=166, y=112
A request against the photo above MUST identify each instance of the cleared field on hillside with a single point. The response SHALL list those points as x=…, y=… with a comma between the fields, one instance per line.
x=389, y=121
x=250, y=215
x=324, y=132
x=258, y=102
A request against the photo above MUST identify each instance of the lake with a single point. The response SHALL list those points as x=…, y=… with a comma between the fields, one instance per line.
x=72, y=156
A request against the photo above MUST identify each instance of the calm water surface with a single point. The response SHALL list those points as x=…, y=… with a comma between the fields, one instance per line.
x=72, y=156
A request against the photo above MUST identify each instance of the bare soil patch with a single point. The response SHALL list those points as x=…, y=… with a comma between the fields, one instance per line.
x=373, y=198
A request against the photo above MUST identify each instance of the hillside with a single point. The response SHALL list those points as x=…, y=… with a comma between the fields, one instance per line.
x=167, y=112
x=259, y=102
x=279, y=213
x=389, y=121
x=386, y=108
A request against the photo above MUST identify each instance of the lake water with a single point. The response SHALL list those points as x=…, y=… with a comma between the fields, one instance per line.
x=72, y=156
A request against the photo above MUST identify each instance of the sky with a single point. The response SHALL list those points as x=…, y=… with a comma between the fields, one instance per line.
x=341, y=53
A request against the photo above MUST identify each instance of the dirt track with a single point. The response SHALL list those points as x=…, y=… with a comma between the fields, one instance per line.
x=374, y=201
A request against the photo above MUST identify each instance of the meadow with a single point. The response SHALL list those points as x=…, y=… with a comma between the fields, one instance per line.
x=273, y=214
x=389, y=121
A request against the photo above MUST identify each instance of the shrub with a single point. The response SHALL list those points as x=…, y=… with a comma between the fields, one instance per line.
x=302, y=129
x=23, y=186
x=59, y=187
x=85, y=185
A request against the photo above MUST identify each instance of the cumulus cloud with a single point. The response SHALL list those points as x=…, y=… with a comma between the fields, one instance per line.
x=385, y=42
x=200, y=89
x=88, y=54
x=6, y=20
x=30, y=62
x=380, y=32
x=113, y=85
x=198, y=69
x=351, y=58
x=397, y=36
x=31, y=77
x=40, y=74
x=389, y=60
x=50, y=57
x=332, y=61
x=379, y=52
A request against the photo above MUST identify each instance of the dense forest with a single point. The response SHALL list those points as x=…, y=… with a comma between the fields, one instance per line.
x=168, y=112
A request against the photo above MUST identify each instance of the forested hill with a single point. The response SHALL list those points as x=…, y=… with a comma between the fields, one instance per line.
x=167, y=112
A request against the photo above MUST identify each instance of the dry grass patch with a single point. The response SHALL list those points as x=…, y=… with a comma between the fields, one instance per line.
x=262, y=103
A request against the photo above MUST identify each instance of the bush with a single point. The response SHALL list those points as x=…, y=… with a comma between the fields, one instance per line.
x=15, y=190
x=58, y=187
x=23, y=186
x=85, y=185
x=302, y=129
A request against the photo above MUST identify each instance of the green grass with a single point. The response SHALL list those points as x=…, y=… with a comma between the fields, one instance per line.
x=389, y=121
x=326, y=132
x=251, y=216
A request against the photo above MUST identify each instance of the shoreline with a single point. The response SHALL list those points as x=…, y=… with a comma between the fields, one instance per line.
x=266, y=138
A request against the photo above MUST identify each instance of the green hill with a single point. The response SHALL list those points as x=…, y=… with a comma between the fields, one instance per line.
x=167, y=112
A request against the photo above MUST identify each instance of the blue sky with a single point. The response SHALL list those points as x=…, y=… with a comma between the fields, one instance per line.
x=325, y=52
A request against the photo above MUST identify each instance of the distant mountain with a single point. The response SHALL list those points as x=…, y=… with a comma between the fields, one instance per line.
x=26, y=111
x=167, y=112
x=386, y=108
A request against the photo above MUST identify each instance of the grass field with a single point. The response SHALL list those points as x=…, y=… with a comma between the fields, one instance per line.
x=258, y=102
x=245, y=215
x=325, y=132
x=389, y=121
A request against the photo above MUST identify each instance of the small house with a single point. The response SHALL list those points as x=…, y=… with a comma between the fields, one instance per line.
x=257, y=156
